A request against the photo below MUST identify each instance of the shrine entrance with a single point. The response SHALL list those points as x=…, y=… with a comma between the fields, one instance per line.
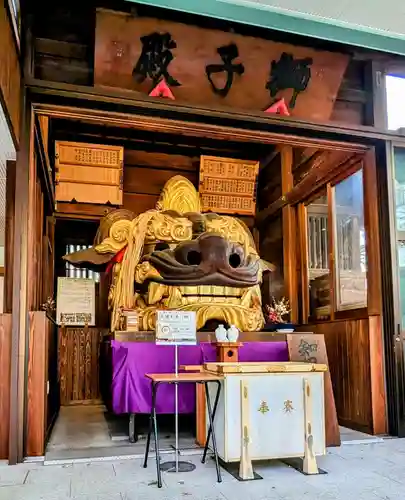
x=312, y=222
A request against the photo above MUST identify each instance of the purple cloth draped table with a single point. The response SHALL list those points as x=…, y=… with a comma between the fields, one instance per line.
x=131, y=390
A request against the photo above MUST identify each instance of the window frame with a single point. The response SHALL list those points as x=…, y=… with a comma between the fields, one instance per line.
x=367, y=165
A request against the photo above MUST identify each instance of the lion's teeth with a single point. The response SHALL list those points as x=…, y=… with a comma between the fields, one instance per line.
x=156, y=292
x=246, y=297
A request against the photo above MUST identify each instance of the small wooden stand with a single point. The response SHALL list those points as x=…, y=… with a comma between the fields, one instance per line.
x=228, y=351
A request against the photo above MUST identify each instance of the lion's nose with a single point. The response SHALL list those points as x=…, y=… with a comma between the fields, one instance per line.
x=213, y=252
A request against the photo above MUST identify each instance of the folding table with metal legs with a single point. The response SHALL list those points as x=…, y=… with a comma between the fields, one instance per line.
x=181, y=378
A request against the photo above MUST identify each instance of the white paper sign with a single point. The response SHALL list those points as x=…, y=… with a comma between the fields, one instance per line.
x=176, y=328
x=75, y=305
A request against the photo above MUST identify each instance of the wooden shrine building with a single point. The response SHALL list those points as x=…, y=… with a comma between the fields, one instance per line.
x=107, y=101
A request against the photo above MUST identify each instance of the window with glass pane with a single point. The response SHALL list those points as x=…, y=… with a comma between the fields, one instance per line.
x=399, y=180
x=318, y=258
x=350, y=244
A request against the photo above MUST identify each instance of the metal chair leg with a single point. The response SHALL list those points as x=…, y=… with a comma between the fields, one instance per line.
x=207, y=442
x=132, y=429
x=155, y=433
x=211, y=416
x=145, y=463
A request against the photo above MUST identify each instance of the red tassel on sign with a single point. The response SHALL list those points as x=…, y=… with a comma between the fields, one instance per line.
x=162, y=90
x=116, y=259
x=278, y=108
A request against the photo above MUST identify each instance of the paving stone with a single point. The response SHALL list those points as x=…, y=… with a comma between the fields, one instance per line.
x=98, y=496
x=355, y=472
x=36, y=492
x=13, y=475
x=178, y=493
x=54, y=474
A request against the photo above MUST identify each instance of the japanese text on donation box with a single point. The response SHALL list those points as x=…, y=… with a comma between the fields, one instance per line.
x=76, y=302
x=176, y=327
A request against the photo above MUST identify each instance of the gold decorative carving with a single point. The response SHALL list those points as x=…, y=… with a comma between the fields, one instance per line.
x=179, y=195
x=129, y=242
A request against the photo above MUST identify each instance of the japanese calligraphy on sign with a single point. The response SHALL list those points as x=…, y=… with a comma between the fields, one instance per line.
x=155, y=58
x=289, y=73
x=227, y=53
x=213, y=68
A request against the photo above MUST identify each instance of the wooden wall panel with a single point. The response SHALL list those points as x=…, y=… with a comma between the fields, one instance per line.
x=39, y=331
x=5, y=355
x=151, y=181
x=35, y=239
x=161, y=160
x=145, y=174
x=377, y=375
x=355, y=360
x=139, y=203
x=79, y=351
x=10, y=77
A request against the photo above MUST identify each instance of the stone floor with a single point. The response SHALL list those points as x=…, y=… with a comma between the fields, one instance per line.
x=355, y=472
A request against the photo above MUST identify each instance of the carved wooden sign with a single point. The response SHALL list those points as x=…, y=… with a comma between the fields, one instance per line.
x=228, y=186
x=214, y=68
x=89, y=173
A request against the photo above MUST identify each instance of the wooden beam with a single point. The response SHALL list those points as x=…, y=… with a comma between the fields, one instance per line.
x=321, y=174
x=289, y=233
x=9, y=236
x=268, y=160
x=19, y=302
x=371, y=223
x=303, y=249
x=332, y=249
x=112, y=97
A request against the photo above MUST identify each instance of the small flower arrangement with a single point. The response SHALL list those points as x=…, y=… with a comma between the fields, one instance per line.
x=49, y=306
x=275, y=312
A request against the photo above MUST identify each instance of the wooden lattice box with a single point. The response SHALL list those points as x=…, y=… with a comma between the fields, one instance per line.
x=228, y=186
x=89, y=173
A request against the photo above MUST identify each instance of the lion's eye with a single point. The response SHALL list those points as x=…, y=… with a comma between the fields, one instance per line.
x=194, y=258
x=234, y=260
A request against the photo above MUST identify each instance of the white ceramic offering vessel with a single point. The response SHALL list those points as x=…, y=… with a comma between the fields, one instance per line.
x=220, y=334
x=233, y=334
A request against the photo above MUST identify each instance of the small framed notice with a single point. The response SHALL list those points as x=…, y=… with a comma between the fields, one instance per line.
x=75, y=304
x=176, y=328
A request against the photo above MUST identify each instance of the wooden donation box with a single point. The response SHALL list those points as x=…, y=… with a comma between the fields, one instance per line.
x=270, y=410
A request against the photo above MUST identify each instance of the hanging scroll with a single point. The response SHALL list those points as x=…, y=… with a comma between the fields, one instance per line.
x=228, y=186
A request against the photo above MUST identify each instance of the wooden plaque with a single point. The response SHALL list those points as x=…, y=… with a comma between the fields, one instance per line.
x=228, y=186
x=89, y=173
x=118, y=49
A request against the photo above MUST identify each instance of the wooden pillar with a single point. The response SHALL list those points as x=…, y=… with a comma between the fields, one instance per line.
x=19, y=335
x=9, y=236
x=289, y=233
